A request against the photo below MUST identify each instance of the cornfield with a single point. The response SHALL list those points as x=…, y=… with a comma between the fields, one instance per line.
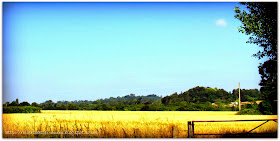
x=128, y=124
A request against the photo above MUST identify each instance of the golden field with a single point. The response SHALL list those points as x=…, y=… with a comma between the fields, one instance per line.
x=128, y=124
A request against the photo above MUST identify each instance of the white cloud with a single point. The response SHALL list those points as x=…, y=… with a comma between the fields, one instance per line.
x=221, y=22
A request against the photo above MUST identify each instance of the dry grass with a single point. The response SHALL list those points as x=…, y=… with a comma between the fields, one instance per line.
x=127, y=124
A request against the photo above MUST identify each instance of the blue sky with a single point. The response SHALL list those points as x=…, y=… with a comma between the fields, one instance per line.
x=87, y=51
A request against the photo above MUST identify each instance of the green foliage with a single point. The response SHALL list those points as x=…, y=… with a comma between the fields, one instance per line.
x=250, y=109
x=145, y=108
x=199, y=94
x=163, y=108
x=120, y=107
x=21, y=109
x=132, y=99
x=61, y=106
x=247, y=94
x=268, y=71
x=199, y=107
x=103, y=106
x=71, y=106
x=14, y=103
x=260, y=22
x=266, y=108
x=24, y=104
x=48, y=105
x=34, y=104
x=249, y=112
x=195, y=99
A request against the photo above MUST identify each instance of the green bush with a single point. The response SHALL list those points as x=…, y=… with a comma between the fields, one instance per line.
x=249, y=112
x=103, y=106
x=268, y=108
x=120, y=107
x=162, y=108
x=21, y=109
x=145, y=108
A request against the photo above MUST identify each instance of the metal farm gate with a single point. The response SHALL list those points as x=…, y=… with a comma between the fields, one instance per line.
x=191, y=129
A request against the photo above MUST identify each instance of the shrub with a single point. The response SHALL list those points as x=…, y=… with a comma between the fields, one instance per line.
x=102, y=107
x=21, y=109
x=145, y=108
x=266, y=108
x=120, y=107
x=249, y=112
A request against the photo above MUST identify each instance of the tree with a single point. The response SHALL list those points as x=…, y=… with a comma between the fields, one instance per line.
x=120, y=107
x=187, y=97
x=24, y=103
x=14, y=103
x=260, y=22
x=6, y=104
x=139, y=100
x=268, y=82
x=60, y=106
x=71, y=106
x=48, y=105
x=145, y=108
x=34, y=104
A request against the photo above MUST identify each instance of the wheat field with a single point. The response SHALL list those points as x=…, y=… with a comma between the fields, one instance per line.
x=128, y=124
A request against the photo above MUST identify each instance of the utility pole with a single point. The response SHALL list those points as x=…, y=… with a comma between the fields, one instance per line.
x=239, y=98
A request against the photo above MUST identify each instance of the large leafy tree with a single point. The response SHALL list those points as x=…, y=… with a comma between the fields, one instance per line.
x=259, y=21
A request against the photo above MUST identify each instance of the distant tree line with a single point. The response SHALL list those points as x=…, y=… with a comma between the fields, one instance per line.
x=195, y=99
x=202, y=95
x=21, y=109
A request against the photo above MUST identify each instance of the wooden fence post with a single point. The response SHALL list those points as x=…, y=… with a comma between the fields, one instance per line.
x=175, y=132
x=190, y=129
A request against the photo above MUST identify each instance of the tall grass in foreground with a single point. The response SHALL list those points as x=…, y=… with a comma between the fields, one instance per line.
x=126, y=124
